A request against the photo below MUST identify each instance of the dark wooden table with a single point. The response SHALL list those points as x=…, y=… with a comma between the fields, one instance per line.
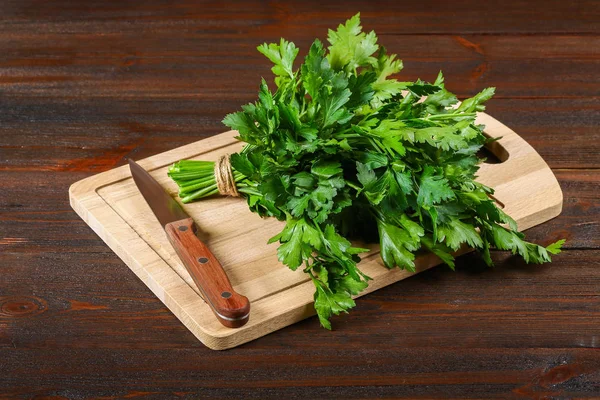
x=86, y=84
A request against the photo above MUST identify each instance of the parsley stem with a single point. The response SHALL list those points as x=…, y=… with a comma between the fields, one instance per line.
x=249, y=190
x=447, y=116
x=374, y=144
x=207, y=191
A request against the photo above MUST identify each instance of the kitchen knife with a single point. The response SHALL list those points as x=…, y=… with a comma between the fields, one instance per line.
x=230, y=308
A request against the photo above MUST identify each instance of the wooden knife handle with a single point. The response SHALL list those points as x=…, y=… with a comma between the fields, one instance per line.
x=230, y=308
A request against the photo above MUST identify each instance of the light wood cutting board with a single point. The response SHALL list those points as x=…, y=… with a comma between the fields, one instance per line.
x=113, y=207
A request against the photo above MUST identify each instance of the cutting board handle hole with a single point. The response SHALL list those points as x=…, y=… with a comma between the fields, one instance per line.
x=498, y=202
x=493, y=152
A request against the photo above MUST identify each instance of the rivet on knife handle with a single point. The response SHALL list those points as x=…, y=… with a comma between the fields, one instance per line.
x=232, y=309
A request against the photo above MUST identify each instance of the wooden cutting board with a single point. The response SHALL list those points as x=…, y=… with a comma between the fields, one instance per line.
x=113, y=207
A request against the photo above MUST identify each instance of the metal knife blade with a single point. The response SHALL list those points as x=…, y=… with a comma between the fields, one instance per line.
x=165, y=208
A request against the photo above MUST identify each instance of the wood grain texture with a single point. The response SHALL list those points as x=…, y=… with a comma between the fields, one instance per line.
x=86, y=84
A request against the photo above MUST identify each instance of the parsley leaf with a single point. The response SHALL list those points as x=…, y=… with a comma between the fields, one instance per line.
x=350, y=47
x=283, y=56
x=433, y=187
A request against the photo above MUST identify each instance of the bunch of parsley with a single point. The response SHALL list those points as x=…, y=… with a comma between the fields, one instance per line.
x=341, y=150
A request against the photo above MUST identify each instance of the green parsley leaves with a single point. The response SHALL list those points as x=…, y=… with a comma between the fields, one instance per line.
x=341, y=150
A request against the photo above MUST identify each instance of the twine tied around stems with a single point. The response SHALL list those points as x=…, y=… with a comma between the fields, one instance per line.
x=224, y=177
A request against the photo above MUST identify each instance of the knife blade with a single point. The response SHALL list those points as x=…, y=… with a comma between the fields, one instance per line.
x=231, y=308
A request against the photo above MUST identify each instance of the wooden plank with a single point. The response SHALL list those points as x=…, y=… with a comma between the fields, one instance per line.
x=543, y=371
x=520, y=347
x=283, y=17
x=140, y=77
x=111, y=204
x=525, y=372
x=513, y=304
x=128, y=49
x=130, y=65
